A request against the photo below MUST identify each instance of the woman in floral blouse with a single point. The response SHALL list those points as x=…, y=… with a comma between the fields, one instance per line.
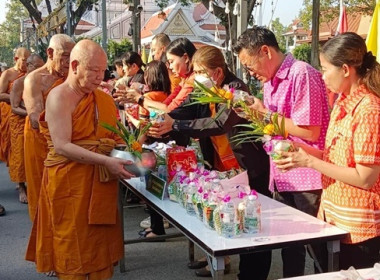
x=350, y=163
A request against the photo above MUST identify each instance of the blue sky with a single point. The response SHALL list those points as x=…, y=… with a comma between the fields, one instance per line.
x=2, y=10
x=286, y=10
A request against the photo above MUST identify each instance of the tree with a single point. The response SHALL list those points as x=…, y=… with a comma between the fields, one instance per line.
x=116, y=49
x=329, y=9
x=60, y=25
x=303, y=52
x=278, y=30
x=10, y=31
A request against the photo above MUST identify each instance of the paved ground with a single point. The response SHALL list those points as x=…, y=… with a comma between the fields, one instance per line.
x=144, y=261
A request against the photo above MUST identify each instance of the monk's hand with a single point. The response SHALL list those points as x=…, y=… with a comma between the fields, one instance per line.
x=290, y=160
x=116, y=167
x=33, y=119
x=161, y=128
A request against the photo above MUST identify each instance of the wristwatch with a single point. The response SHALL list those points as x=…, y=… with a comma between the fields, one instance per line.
x=140, y=101
x=175, y=125
x=268, y=117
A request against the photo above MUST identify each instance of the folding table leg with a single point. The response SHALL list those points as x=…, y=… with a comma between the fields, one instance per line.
x=216, y=265
x=191, y=251
x=333, y=249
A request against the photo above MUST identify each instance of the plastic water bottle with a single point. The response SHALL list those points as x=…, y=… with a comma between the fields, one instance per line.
x=156, y=117
x=227, y=217
x=190, y=190
x=252, y=216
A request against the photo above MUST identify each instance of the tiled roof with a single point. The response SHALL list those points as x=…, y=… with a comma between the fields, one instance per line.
x=211, y=27
x=153, y=23
x=199, y=10
x=357, y=23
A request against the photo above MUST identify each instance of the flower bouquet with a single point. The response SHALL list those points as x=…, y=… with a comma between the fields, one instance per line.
x=207, y=92
x=273, y=134
x=144, y=159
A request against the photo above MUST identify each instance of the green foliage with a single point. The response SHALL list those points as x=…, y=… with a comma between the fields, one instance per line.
x=129, y=136
x=303, y=52
x=278, y=30
x=10, y=30
x=116, y=49
x=162, y=4
x=329, y=9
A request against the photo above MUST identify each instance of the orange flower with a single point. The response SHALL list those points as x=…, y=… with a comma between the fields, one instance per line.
x=269, y=129
x=136, y=146
x=228, y=95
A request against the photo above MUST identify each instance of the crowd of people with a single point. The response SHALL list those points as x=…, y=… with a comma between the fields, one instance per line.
x=57, y=151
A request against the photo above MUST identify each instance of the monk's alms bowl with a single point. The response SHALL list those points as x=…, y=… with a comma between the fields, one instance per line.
x=138, y=167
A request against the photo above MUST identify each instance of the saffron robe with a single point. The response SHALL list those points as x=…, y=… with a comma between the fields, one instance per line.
x=5, y=139
x=35, y=151
x=16, y=158
x=77, y=228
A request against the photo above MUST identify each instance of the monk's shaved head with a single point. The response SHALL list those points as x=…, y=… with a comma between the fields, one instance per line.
x=59, y=41
x=86, y=50
x=88, y=62
x=34, y=57
x=34, y=61
x=22, y=52
x=20, y=57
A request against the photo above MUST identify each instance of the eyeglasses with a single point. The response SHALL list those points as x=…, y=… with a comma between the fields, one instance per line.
x=252, y=67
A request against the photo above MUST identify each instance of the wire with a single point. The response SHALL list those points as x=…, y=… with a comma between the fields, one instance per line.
x=273, y=10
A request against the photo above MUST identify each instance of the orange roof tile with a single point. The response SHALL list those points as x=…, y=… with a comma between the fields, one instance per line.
x=199, y=10
x=152, y=24
x=212, y=27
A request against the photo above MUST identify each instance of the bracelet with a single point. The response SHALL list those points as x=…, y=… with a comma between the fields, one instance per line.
x=268, y=117
x=140, y=101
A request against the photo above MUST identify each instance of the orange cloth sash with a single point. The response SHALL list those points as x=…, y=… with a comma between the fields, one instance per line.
x=77, y=228
x=224, y=159
x=35, y=151
x=103, y=146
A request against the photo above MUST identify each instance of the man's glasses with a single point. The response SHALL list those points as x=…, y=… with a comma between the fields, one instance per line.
x=251, y=68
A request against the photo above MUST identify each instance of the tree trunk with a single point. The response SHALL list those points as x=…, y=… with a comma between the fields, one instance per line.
x=315, y=35
x=32, y=11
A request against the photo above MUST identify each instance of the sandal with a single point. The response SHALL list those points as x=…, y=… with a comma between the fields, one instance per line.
x=2, y=210
x=144, y=232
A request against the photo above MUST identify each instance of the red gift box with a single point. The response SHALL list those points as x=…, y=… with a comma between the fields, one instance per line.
x=179, y=158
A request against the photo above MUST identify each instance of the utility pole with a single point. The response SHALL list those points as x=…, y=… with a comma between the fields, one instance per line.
x=136, y=19
x=315, y=35
x=104, y=25
x=242, y=19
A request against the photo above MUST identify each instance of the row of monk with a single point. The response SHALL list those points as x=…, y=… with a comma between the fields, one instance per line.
x=76, y=231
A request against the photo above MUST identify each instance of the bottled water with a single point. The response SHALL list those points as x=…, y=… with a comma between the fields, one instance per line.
x=190, y=190
x=227, y=217
x=252, y=216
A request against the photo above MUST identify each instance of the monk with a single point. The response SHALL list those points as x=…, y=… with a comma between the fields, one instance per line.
x=16, y=125
x=36, y=89
x=78, y=231
x=6, y=82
